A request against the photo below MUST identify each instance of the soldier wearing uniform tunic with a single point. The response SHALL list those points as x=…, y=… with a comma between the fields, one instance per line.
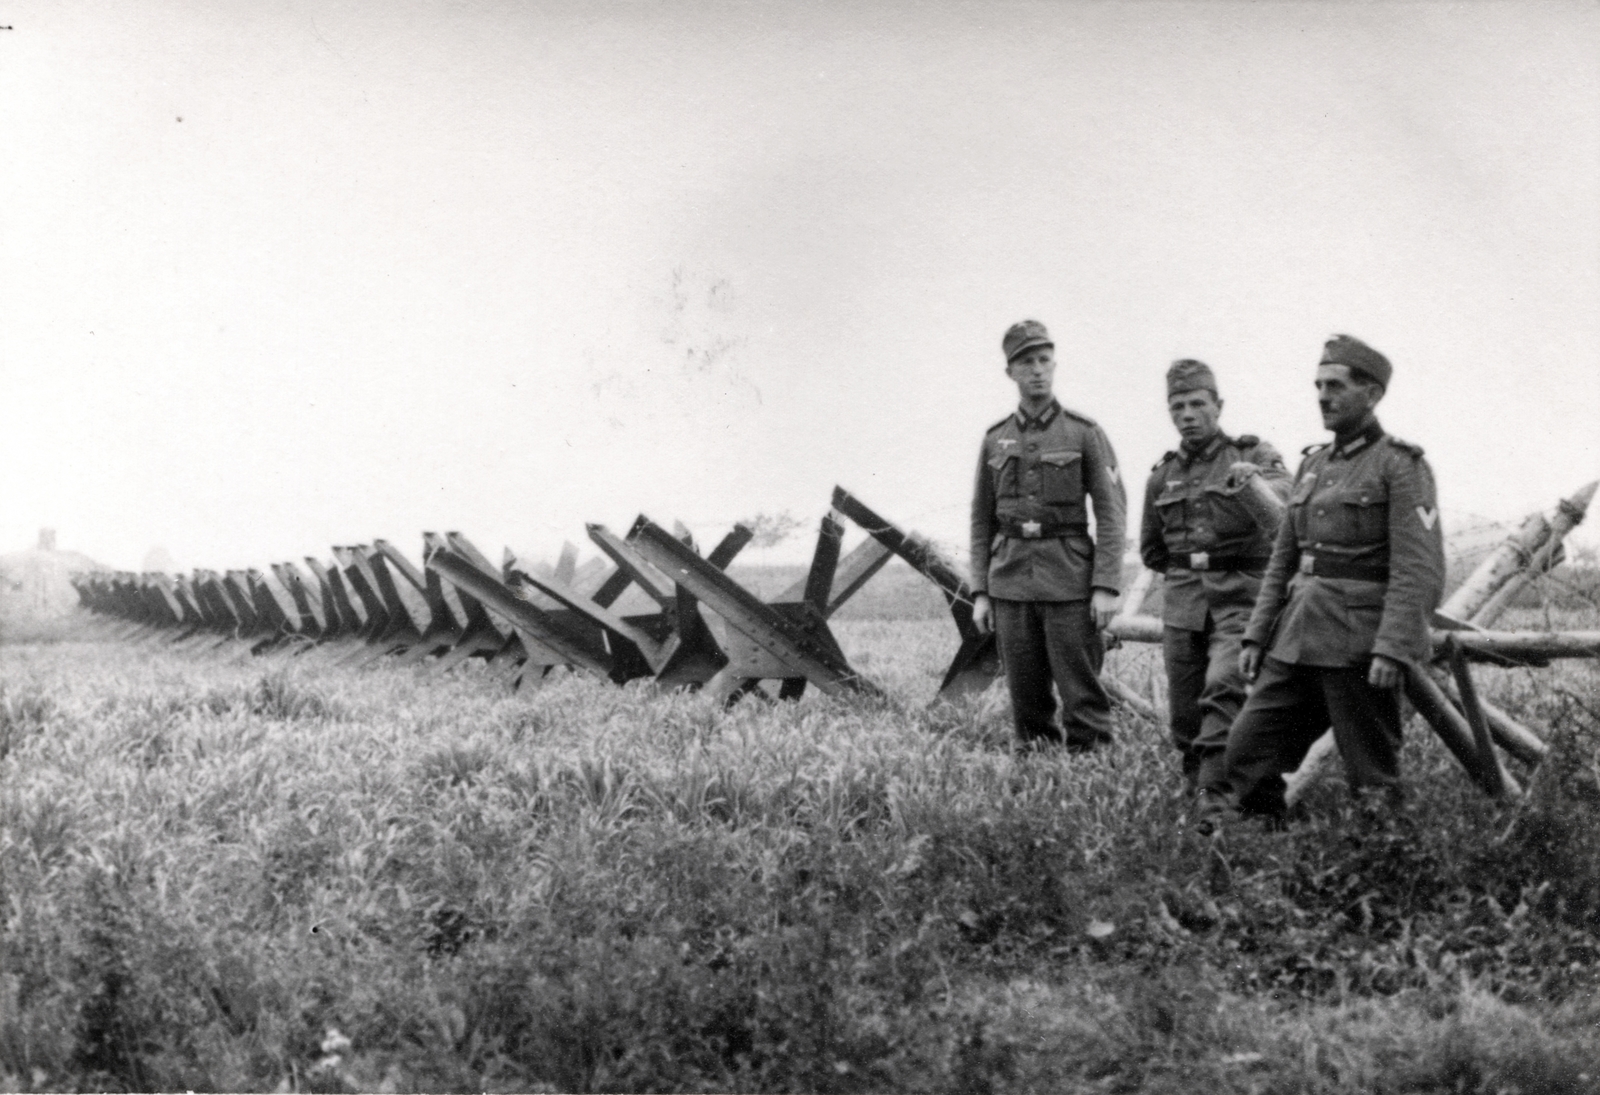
x=1356, y=571
x=1041, y=582
x=1213, y=548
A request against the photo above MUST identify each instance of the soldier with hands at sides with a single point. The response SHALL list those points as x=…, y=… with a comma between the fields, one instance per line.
x=1041, y=582
x=1356, y=571
x=1204, y=531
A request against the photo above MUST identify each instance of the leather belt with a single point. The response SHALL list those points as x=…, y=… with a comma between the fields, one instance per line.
x=1040, y=530
x=1322, y=567
x=1203, y=560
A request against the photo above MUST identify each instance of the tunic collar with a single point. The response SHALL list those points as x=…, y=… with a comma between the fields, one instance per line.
x=1204, y=452
x=1358, y=442
x=1026, y=422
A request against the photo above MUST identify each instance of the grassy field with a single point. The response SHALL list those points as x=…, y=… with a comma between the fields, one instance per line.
x=225, y=873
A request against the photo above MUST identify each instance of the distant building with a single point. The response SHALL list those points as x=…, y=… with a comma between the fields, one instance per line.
x=37, y=582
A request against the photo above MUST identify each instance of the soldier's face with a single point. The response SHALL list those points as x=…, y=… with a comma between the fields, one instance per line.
x=1194, y=413
x=1345, y=400
x=1034, y=372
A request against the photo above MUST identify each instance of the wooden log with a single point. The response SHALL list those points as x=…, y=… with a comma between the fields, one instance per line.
x=1136, y=628
x=1317, y=760
x=1490, y=770
x=1451, y=726
x=1127, y=697
x=1476, y=645
x=1569, y=514
x=1506, y=731
x=1501, y=565
x=1261, y=501
x=1524, y=645
x=1133, y=599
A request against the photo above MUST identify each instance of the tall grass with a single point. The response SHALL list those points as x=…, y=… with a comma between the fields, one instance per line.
x=231, y=874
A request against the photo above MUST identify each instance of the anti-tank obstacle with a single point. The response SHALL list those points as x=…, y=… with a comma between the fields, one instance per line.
x=707, y=632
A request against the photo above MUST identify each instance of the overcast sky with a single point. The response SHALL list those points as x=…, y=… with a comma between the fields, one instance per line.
x=275, y=276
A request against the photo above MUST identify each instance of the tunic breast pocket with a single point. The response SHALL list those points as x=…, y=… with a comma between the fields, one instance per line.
x=1364, y=512
x=1227, y=513
x=1061, y=477
x=1003, y=466
x=1169, y=504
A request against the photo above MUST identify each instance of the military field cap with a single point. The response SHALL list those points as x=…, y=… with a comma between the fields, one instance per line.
x=1187, y=374
x=1024, y=336
x=1361, y=358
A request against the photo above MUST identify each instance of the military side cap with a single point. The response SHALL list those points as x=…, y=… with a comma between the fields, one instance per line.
x=1024, y=336
x=1361, y=358
x=1187, y=374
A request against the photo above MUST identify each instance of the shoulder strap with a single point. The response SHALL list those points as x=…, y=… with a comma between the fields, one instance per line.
x=1079, y=415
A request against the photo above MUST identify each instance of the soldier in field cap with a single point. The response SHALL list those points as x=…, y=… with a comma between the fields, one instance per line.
x=1201, y=530
x=1042, y=583
x=1356, y=570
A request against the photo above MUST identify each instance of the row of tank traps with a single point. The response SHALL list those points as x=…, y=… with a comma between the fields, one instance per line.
x=524, y=621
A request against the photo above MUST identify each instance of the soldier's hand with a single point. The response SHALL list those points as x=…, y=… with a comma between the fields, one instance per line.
x=1385, y=672
x=1103, y=604
x=983, y=613
x=1240, y=472
x=1249, y=661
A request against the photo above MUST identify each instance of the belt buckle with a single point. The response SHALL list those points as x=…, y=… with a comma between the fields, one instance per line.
x=1308, y=564
x=1199, y=560
x=1031, y=530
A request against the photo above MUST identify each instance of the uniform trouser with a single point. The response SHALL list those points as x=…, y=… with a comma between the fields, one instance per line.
x=1045, y=640
x=1205, y=689
x=1289, y=709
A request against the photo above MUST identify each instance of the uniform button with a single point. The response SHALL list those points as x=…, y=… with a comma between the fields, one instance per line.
x=1322, y=513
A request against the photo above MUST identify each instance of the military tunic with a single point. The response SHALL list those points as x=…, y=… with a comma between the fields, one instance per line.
x=1033, y=554
x=1356, y=570
x=1212, y=550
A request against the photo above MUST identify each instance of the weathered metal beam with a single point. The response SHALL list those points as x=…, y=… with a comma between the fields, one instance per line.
x=804, y=652
x=479, y=637
x=543, y=628
x=381, y=625
x=526, y=651
x=443, y=630
x=977, y=660
x=276, y=610
x=631, y=566
x=355, y=576
x=403, y=624
x=620, y=633
x=566, y=568
x=336, y=600
x=237, y=588
x=308, y=606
